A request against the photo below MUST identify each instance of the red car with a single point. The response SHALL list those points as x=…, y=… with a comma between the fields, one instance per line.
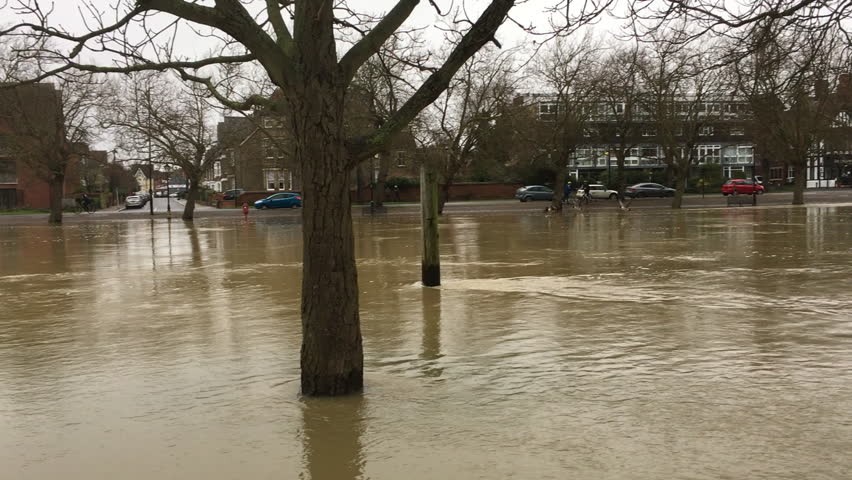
x=742, y=187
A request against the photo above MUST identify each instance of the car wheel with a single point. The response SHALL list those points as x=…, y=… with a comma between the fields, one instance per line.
x=528, y=199
x=613, y=196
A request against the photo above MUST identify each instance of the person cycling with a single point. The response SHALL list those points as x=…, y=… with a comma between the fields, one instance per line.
x=85, y=202
x=587, y=193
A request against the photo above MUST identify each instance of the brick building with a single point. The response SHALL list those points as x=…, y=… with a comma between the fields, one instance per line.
x=29, y=114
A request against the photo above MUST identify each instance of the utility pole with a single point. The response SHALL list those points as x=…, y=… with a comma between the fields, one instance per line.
x=150, y=159
x=431, y=261
x=168, y=193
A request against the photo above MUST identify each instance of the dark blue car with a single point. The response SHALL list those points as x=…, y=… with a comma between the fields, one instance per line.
x=280, y=200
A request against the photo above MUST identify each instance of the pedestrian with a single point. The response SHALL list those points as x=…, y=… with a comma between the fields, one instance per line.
x=566, y=192
x=396, y=193
x=245, y=211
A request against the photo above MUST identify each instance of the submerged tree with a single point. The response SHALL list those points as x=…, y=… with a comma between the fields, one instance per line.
x=296, y=43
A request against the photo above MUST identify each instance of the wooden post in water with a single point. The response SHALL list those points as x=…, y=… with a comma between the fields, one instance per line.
x=431, y=262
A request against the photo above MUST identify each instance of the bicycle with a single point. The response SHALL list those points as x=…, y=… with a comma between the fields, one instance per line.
x=80, y=207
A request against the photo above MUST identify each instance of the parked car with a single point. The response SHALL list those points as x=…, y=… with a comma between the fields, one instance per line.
x=741, y=186
x=232, y=194
x=597, y=190
x=534, y=192
x=133, y=201
x=280, y=200
x=649, y=190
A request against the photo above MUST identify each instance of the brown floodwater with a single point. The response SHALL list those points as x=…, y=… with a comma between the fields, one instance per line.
x=655, y=345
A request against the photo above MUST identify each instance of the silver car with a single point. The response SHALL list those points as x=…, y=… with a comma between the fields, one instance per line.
x=133, y=201
x=534, y=192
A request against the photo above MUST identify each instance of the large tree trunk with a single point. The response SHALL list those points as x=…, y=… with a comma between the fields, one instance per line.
x=619, y=174
x=799, y=182
x=681, y=175
x=332, y=353
x=191, y=197
x=381, y=180
x=444, y=197
x=559, y=187
x=56, y=190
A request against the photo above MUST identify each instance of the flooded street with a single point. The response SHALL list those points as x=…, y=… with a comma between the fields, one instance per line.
x=701, y=344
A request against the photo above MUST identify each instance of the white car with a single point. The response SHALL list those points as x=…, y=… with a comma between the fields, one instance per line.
x=597, y=190
x=134, y=201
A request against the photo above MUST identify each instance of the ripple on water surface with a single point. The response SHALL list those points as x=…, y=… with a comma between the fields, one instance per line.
x=686, y=345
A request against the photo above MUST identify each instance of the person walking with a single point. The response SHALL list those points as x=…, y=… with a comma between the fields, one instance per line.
x=566, y=193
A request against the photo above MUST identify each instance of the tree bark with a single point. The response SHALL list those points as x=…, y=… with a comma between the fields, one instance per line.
x=56, y=190
x=680, y=186
x=332, y=352
x=619, y=174
x=191, y=197
x=799, y=182
x=445, y=195
x=559, y=188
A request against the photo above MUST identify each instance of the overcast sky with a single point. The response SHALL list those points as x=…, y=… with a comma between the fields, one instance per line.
x=73, y=16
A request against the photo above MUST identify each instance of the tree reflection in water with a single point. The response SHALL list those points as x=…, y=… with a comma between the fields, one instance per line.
x=332, y=430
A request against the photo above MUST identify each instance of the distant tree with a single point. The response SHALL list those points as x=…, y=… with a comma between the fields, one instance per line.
x=786, y=75
x=619, y=91
x=568, y=71
x=176, y=119
x=684, y=100
x=468, y=110
x=48, y=125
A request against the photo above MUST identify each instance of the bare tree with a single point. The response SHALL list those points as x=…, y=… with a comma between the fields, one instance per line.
x=619, y=107
x=48, y=125
x=684, y=100
x=301, y=58
x=712, y=18
x=469, y=109
x=786, y=77
x=568, y=71
x=175, y=119
x=385, y=80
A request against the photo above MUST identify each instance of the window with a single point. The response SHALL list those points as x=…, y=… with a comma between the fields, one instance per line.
x=708, y=154
x=705, y=130
x=649, y=152
x=217, y=169
x=272, y=122
x=619, y=108
x=737, y=131
x=271, y=176
x=8, y=171
x=400, y=159
x=776, y=173
x=649, y=132
x=548, y=111
x=271, y=149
